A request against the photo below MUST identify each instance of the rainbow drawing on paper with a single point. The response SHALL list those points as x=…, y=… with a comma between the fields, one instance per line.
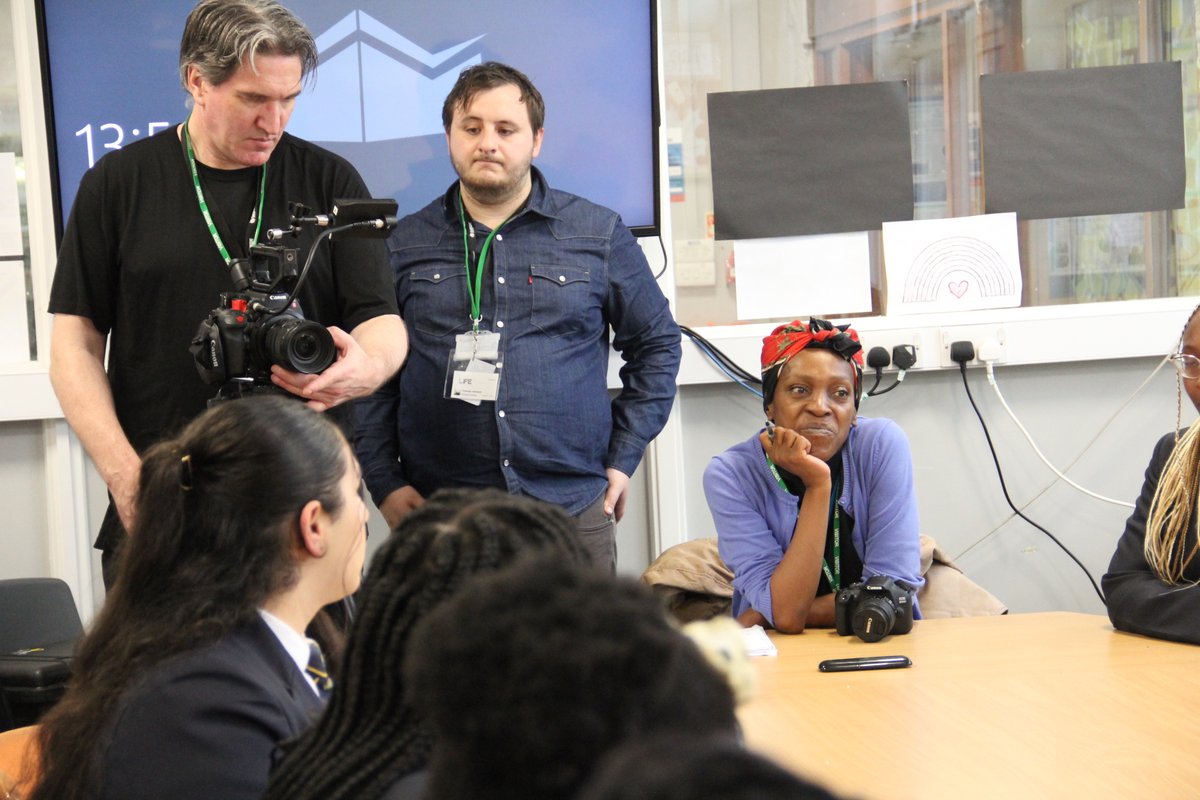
x=957, y=264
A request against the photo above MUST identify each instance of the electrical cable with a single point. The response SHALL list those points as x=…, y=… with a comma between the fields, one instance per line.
x=903, y=356
x=662, y=246
x=715, y=354
x=721, y=366
x=1120, y=408
x=991, y=377
x=962, y=365
x=1095, y=438
x=886, y=389
x=724, y=363
x=312, y=251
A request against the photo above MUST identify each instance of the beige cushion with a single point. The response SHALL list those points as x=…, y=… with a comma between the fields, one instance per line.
x=693, y=566
x=948, y=592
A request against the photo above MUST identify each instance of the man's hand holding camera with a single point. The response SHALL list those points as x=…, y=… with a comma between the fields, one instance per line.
x=258, y=336
x=353, y=374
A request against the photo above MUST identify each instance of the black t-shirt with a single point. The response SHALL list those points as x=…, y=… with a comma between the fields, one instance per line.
x=232, y=196
x=137, y=260
x=852, y=565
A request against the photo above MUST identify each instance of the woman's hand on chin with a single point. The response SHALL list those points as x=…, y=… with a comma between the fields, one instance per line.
x=791, y=451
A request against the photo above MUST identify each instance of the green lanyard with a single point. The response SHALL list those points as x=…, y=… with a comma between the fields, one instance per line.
x=212, y=226
x=834, y=576
x=475, y=291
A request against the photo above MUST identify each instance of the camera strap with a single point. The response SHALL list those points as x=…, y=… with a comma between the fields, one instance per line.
x=256, y=214
x=834, y=576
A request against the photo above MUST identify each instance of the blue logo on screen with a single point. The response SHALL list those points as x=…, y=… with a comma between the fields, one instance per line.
x=374, y=84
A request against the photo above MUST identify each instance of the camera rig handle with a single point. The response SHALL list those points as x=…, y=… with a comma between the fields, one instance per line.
x=363, y=217
x=359, y=217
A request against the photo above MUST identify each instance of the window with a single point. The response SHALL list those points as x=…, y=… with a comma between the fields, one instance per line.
x=18, y=340
x=940, y=47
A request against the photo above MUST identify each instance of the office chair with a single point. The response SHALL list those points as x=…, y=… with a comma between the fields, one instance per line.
x=39, y=615
x=36, y=612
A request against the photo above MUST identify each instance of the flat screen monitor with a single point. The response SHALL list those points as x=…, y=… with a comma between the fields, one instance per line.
x=112, y=77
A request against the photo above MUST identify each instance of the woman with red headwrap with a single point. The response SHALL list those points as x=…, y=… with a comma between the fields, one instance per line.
x=819, y=499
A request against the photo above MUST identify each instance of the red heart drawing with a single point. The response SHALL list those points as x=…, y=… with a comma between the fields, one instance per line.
x=958, y=289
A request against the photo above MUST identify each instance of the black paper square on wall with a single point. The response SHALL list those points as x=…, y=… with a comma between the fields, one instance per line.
x=1077, y=142
x=823, y=159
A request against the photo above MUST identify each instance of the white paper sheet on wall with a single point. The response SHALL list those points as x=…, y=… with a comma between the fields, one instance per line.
x=14, y=324
x=802, y=276
x=955, y=264
x=10, y=208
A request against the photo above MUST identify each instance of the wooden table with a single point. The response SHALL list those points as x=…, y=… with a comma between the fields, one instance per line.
x=1022, y=707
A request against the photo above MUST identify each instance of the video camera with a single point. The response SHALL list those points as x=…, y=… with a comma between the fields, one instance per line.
x=260, y=323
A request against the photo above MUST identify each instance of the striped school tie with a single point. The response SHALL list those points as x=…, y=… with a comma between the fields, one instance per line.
x=317, y=672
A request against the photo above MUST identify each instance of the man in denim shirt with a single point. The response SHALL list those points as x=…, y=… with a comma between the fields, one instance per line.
x=509, y=289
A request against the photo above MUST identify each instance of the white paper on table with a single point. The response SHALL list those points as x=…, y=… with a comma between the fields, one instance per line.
x=10, y=209
x=757, y=642
x=14, y=323
x=955, y=264
x=802, y=276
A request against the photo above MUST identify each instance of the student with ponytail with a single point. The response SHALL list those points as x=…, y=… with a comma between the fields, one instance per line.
x=247, y=523
x=370, y=744
x=1152, y=583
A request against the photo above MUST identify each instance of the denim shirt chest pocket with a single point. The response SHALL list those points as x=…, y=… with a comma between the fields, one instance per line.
x=561, y=297
x=436, y=302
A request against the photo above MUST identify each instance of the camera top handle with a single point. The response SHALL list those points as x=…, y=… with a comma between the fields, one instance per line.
x=357, y=217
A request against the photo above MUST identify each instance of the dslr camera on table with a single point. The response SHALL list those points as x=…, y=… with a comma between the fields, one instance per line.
x=874, y=609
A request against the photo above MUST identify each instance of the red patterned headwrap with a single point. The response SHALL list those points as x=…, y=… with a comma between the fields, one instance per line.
x=788, y=340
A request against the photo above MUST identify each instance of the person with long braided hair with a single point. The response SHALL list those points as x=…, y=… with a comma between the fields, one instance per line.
x=1153, y=582
x=248, y=523
x=820, y=498
x=370, y=744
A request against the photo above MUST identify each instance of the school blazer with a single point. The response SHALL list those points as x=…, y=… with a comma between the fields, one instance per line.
x=205, y=724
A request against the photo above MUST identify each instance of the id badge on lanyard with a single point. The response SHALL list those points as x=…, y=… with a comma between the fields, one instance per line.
x=473, y=373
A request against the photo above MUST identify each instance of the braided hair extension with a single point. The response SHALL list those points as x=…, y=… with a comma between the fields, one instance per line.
x=1173, y=508
x=369, y=737
x=1176, y=496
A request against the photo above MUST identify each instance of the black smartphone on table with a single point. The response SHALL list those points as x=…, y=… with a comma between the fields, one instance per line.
x=865, y=662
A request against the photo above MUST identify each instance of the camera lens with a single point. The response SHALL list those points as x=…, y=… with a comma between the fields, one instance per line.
x=873, y=618
x=305, y=346
x=300, y=345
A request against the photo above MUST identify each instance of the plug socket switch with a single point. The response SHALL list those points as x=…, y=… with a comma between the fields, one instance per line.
x=989, y=343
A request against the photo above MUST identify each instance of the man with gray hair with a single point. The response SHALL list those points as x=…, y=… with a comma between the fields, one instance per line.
x=148, y=246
